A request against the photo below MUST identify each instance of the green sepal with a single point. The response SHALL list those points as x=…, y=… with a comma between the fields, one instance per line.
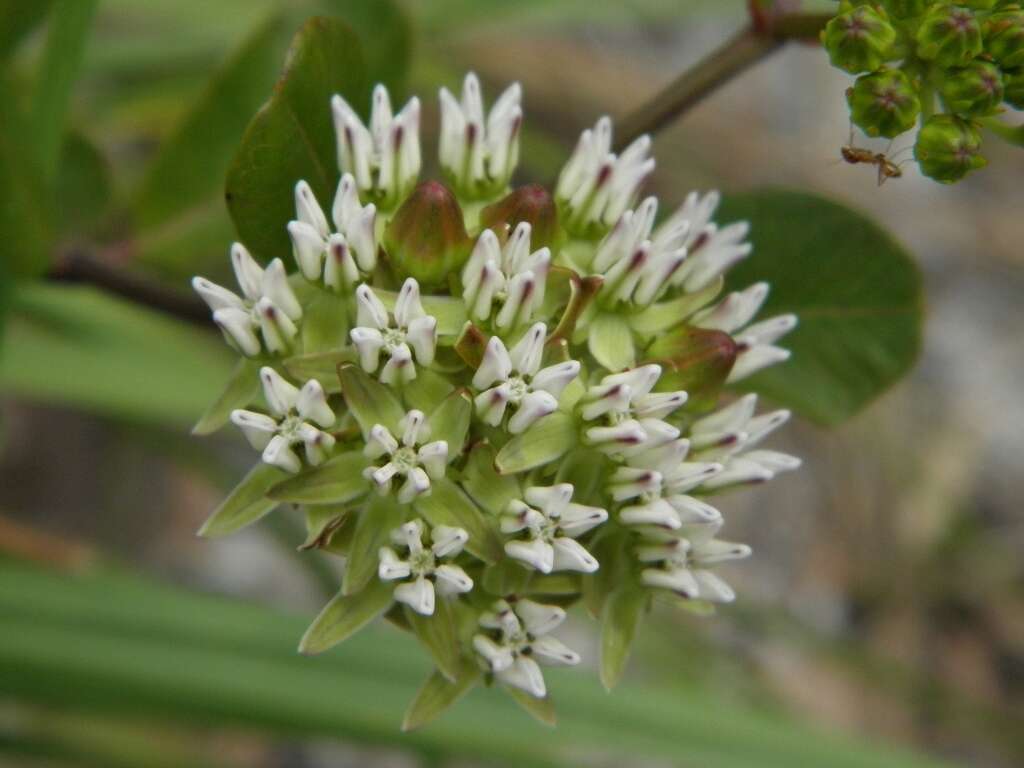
x=450, y=422
x=485, y=486
x=369, y=401
x=372, y=531
x=697, y=360
x=664, y=315
x=610, y=550
x=438, y=635
x=322, y=523
x=553, y=585
x=324, y=323
x=447, y=504
x=541, y=710
x=621, y=614
x=567, y=289
x=337, y=481
x=610, y=341
x=438, y=694
x=507, y=577
x=246, y=504
x=545, y=441
x=345, y=615
x=426, y=391
x=322, y=366
x=470, y=345
x=242, y=389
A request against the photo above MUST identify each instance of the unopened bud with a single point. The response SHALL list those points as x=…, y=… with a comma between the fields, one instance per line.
x=884, y=103
x=697, y=360
x=427, y=238
x=532, y=204
x=973, y=90
x=947, y=148
x=949, y=35
x=905, y=9
x=1004, y=38
x=860, y=39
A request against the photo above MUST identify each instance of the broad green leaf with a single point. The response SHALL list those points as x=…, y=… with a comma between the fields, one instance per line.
x=438, y=694
x=17, y=19
x=322, y=366
x=856, y=291
x=337, y=481
x=67, y=32
x=82, y=348
x=541, y=710
x=447, y=504
x=243, y=388
x=372, y=531
x=450, y=422
x=292, y=136
x=621, y=613
x=345, y=615
x=545, y=441
x=246, y=504
x=385, y=33
x=610, y=341
x=83, y=187
x=370, y=401
x=482, y=482
x=437, y=634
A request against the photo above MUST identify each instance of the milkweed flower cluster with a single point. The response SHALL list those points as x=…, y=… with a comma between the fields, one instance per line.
x=486, y=398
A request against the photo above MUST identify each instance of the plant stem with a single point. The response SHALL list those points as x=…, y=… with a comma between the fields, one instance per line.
x=740, y=52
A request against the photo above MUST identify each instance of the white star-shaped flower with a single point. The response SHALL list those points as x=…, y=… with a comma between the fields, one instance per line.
x=682, y=563
x=509, y=275
x=294, y=412
x=267, y=305
x=408, y=330
x=414, y=459
x=516, y=642
x=515, y=378
x=419, y=571
x=546, y=525
x=349, y=251
x=712, y=250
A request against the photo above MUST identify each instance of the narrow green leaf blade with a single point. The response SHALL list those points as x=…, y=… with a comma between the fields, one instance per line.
x=246, y=504
x=373, y=530
x=541, y=710
x=547, y=440
x=618, y=628
x=17, y=19
x=450, y=422
x=437, y=634
x=345, y=615
x=242, y=390
x=370, y=401
x=438, y=694
x=482, y=482
x=447, y=504
x=336, y=481
x=610, y=341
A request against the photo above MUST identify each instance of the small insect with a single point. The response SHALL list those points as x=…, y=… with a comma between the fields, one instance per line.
x=887, y=169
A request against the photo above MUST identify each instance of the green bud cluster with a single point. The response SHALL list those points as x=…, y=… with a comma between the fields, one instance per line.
x=945, y=66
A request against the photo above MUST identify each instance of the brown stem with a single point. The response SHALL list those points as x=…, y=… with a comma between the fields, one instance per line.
x=740, y=52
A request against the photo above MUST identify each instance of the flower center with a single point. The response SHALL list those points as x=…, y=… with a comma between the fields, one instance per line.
x=393, y=339
x=518, y=388
x=405, y=459
x=289, y=428
x=421, y=563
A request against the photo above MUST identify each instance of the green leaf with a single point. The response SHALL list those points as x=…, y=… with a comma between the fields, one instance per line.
x=427, y=390
x=856, y=291
x=450, y=422
x=506, y=577
x=345, y=615
x=482, y=482
x=610, y=341
x=322, y=366
x=246, y=504
x=83, y=188
x=667, y=314
x=438, y=694
x=447, y=504
x=541, y=710
x=437, y=634
x=449, y=311
x=62, y=55
x=322, y=522
x=83, y=348
x=17, y=19
x=373, y=530
x=243, y=388
x=337, y=481
x=545, y=441
x=370, y=401
x=292, y=136
x=618, y=628
x=385, y=33
x=324, y=323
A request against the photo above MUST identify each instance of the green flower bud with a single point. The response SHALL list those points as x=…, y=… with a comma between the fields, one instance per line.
x=975, y=89
x=427, y=237
x=883, y=103
x=950, y=35
x=1004, y=38
x=697, y=360
x=1013, y=88
x=948, y=148
x=905, y=9
x=860, y=39
x=532, y=204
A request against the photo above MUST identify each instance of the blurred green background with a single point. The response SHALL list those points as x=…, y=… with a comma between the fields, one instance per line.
x=881, y=620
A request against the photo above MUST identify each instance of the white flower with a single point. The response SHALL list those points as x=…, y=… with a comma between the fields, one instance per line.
x=711, y=250
x=548, y=522
x=633, y=413
x=350, y=250
x=292, y=409
x=755, y=342
x=727, y=437
x=681, y=563
x=513, y=378
x=385, y=158
x=516, y=642
x=420, y=572
x=409, y=330
x=267, y=305
x=415, y=459
x=479, y=155
x=596, y=186
x=510, y=275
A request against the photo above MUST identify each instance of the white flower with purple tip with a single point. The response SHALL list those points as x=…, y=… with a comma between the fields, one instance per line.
x=419, y=569
x=399, y=335
x=545, y=525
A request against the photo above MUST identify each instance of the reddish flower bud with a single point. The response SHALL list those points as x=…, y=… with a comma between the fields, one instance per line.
x=427, y=237
x=532, y=204
x=697, y=360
